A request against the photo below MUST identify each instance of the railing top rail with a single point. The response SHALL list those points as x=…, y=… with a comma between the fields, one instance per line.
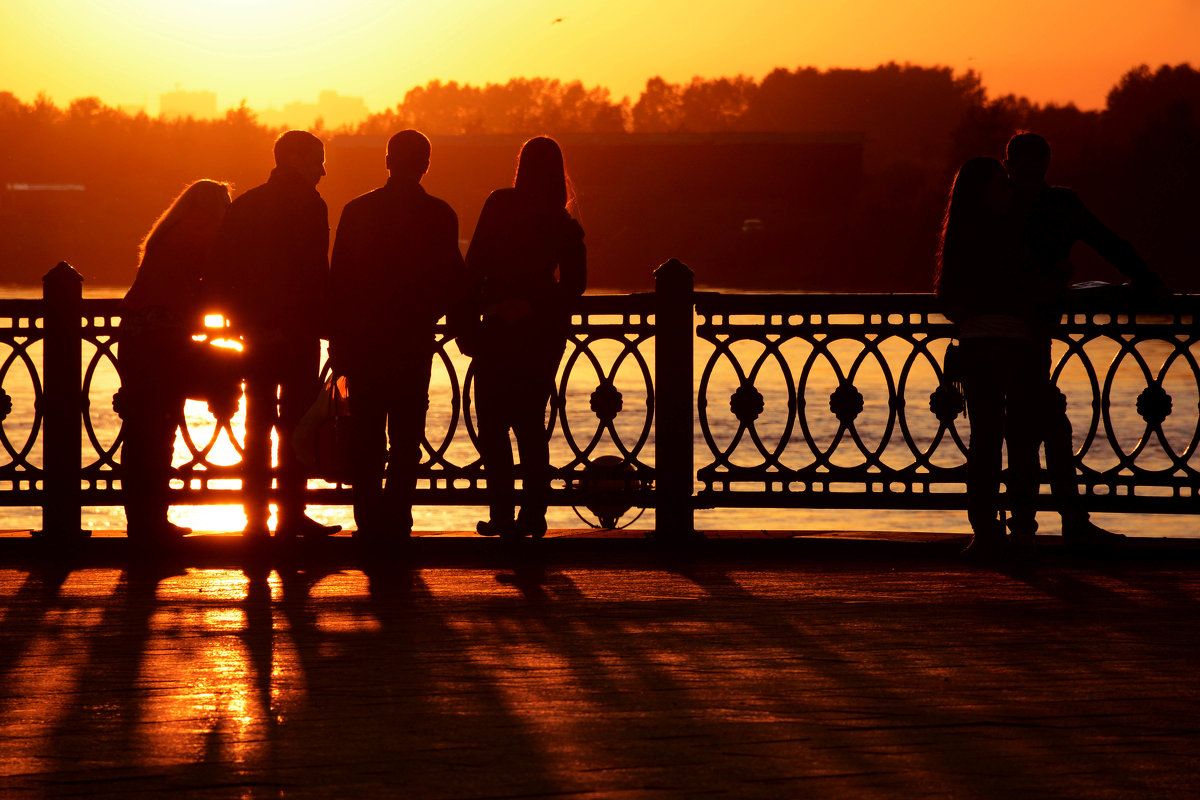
x=922, y=303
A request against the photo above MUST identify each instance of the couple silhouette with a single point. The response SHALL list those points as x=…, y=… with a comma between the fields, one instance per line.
x=263, y=261
x=1003, y=270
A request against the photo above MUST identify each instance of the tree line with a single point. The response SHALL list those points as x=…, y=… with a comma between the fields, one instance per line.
x=1133, y=160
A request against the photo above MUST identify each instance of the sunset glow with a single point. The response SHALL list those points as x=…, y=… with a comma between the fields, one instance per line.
x=272, y=52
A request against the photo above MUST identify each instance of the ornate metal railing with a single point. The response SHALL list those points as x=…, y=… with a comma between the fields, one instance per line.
x=862, y=418
x=700, y=400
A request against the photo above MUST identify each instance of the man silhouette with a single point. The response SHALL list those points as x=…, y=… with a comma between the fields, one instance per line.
x=270, y=270
x=1052, y=219
x=396, y=270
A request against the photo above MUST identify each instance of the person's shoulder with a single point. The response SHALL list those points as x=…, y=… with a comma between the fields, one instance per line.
x=1062, y=194
x=439, y=207
x=251, y=196
x=365, y=201
x=502, y=197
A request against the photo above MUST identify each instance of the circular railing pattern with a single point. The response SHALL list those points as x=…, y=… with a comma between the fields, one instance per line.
x=824, y=391
x=20, y=335
x=921, y=442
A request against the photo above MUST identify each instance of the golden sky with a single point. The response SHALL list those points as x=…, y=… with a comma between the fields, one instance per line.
x=270, y=52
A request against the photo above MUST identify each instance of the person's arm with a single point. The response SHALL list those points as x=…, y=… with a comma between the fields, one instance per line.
x=572, y=261
x=1117, y=251
x=219, y=283
x=464, y=317
x=451, y=271
x=347, y=245
x=319, y=255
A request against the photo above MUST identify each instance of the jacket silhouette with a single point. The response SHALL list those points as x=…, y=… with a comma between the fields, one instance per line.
x=270, y=273
x=526, y=263
x=396, y=270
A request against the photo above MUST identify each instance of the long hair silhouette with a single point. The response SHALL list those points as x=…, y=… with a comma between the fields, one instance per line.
x=967, y=218
x=204, y=199
x=541, y=173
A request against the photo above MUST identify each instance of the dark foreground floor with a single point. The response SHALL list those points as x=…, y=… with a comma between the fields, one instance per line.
x=857, y=675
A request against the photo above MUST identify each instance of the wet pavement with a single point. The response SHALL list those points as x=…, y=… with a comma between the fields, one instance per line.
x=845, y=667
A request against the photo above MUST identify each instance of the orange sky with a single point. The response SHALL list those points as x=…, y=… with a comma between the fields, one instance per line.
x=271, y=52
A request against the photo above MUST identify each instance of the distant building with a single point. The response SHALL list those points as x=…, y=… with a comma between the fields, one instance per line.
x=334, y=111
x=178, y=104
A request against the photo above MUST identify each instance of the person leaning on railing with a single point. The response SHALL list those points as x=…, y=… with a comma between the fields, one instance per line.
x=1051, y=219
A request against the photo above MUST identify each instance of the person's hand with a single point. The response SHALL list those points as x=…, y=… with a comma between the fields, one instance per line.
x=468, y=342
x=336, y=358
x=1151, y=288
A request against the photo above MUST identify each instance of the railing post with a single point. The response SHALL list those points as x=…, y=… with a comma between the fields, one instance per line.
x=674, y=404
x=62, y=402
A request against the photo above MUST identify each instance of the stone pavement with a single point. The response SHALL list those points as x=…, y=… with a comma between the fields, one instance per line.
x=828, y=667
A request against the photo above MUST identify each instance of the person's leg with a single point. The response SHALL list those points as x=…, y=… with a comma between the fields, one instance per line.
x=149, y=437
x=368, y=450
x=1060, y=461
x=1024, y=408
x=408, y=403
x=261, y=413
x=298, y=385
x=529, y=427
x=493, y=411
x=983, y=383
x=1057, y=438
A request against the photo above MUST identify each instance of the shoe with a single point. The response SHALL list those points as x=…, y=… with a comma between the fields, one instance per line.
x=534, y=528
x=159, y=533
x=487, y=527
x=984, y=548
x=309, y=528
x=173, y=531
x=1089, y=534
x=987, y=543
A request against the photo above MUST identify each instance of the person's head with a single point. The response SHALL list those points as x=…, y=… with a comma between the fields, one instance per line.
x=1027, y=157
x=979, y=197
x=200, y=206
x=408, y=156
x=541, y=173
x=302, y=153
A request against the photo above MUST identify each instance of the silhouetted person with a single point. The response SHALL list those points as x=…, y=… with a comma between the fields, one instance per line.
x=982, y=282
x=271, y=269
x=526, y=263
x=396, y=270
x=158, y=316
x=1051, y=220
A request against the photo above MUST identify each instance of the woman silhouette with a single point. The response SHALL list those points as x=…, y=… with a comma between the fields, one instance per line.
x=526, y=262
x=985, y=284
x=158, y=315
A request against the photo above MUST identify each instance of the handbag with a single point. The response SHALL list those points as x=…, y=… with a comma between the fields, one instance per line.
x=321, y=439
x=211, y=373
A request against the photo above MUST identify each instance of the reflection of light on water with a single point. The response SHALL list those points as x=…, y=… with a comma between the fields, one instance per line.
x=211, y=518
